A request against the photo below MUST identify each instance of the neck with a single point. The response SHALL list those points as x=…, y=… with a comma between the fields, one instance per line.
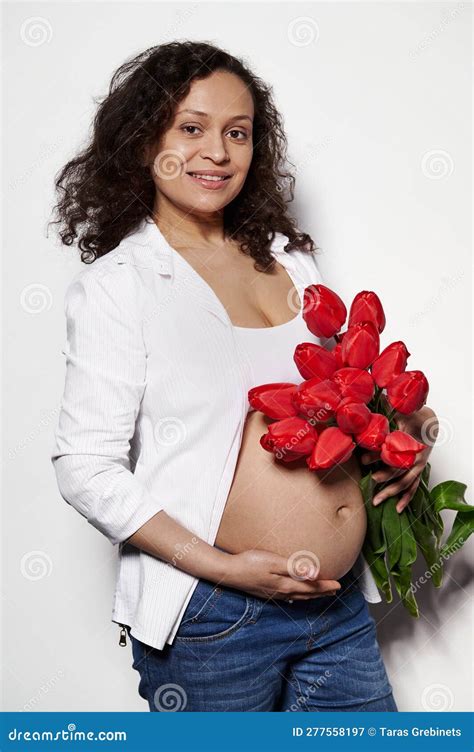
x=182, y=227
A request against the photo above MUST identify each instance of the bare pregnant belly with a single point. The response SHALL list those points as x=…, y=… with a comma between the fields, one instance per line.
x=291, y=510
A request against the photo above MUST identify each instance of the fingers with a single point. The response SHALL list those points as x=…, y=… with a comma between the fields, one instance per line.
x=309, y=596
x=407, y=496
x=304, y=589
x=391, y=472
x=369, y=457
x=393, y=489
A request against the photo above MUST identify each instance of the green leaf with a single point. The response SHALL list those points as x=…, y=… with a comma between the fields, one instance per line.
x=409, y=550
x=463, y=527
x=430, y=516
x=379, y=572
x=402, y=579
x=450, y=495
x=428, y=545
x=416, y=504
x=392, y=531
x=374, y=514
x=425, y=475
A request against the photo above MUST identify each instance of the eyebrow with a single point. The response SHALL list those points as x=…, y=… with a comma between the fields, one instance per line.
x=204, y=114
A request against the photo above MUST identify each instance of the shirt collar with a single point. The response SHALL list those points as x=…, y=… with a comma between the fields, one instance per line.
x=147, y=247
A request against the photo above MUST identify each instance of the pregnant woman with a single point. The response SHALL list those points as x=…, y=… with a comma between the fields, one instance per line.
x=240, y=579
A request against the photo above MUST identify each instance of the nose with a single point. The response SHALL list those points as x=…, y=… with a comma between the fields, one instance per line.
x=214, y=147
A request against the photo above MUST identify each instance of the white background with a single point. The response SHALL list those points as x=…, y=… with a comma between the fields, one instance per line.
x=376, y=104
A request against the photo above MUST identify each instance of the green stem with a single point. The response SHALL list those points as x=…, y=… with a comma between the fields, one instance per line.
x=378, y=392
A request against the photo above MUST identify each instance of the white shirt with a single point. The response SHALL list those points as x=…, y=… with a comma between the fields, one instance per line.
x=153, y=411
x=269, y=350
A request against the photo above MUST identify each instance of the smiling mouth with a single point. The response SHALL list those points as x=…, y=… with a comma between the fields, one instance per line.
x=210, y=178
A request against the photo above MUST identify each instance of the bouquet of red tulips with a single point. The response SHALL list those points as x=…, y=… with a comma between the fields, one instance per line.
x=347, y=401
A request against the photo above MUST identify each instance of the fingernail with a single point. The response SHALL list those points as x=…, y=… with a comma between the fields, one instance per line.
x=376, y=501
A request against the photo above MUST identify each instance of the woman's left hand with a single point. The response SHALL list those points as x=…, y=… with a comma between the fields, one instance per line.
x=407, y=480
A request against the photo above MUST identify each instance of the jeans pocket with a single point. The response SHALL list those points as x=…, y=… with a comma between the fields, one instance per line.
x=204, y=595
x=213, y=612
x=139, y=654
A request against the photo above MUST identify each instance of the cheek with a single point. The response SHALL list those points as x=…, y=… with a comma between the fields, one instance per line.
x=171, y=159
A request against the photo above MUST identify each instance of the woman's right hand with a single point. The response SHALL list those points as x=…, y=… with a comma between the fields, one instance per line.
x=266, y=575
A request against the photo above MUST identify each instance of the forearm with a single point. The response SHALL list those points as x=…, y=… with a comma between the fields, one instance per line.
x=166, y=539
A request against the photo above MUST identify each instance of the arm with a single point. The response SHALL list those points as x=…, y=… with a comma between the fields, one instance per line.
x=105, y=382
x=166, y=539
x=423, y=425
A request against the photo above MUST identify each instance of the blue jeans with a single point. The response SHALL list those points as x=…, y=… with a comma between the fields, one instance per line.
x=237, y=652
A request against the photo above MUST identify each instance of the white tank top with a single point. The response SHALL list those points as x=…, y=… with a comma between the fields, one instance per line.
x=270, y=350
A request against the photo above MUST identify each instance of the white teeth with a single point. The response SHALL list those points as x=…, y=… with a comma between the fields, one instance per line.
x=207, y=177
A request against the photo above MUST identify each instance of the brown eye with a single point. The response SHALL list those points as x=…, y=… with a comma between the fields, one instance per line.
x=183, y=128
x=238, y=131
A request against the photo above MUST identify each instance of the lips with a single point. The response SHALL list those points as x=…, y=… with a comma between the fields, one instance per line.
x=210, y=182
x=211, y=176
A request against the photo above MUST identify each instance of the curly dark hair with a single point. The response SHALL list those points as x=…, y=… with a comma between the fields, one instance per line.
x=106, y=190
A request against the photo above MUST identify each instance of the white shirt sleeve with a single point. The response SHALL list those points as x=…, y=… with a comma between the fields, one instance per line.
x=104, y=384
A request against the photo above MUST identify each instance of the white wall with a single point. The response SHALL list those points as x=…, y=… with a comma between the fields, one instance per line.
x=376, y=103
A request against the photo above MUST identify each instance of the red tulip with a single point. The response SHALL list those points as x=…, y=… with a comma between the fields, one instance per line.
x=317, y=399
x=400, y=449
x=340, y=336
x=274, y=400
x=355, y=383
x=289, y=439
x=366, y=306
x=337, y=352
x=390, y=363
x=374, y=435
x=323, y=310
x=332, y=447
x=361, y=345
x=313, y=360
x=408, y=391
x=353, y=417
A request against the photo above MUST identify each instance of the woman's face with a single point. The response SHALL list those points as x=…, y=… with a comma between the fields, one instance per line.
x=217, y=136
